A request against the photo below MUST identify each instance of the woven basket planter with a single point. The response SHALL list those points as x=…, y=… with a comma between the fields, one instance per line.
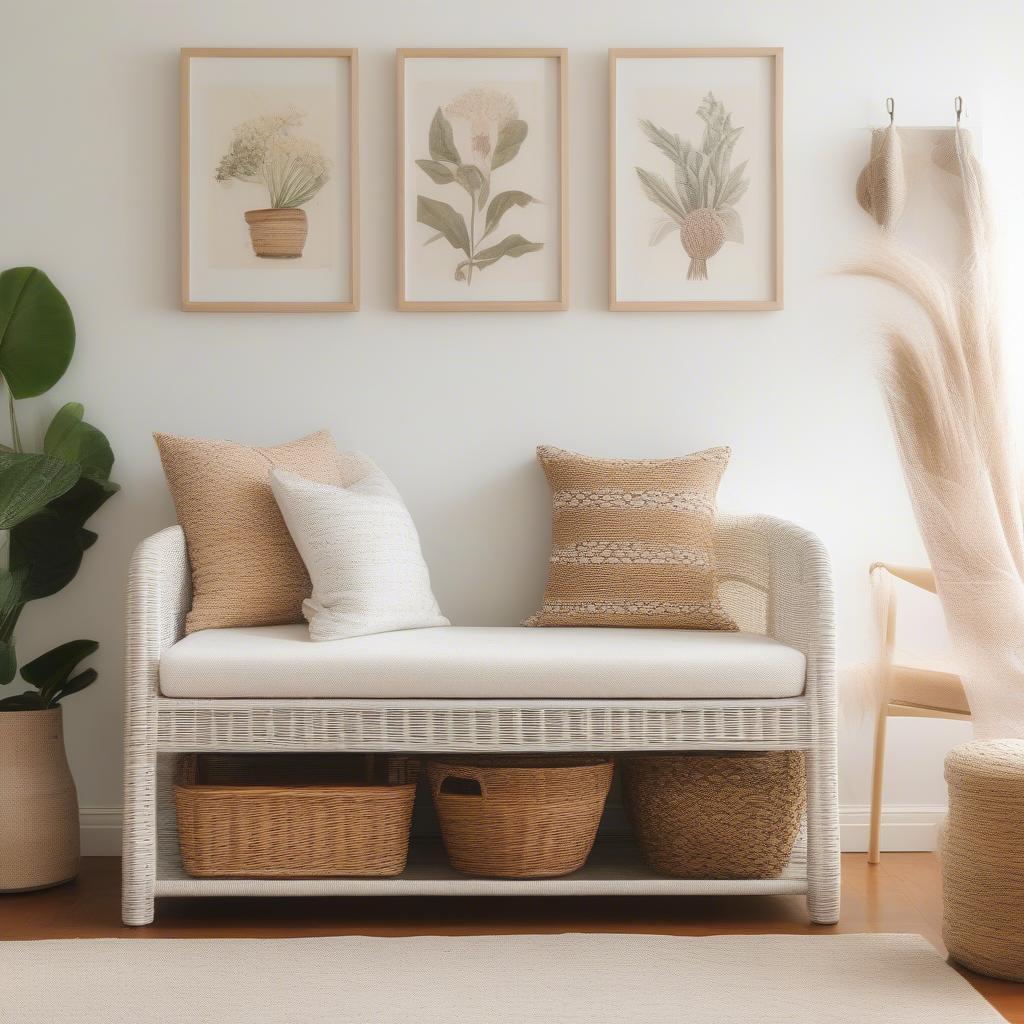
x=38, y=802
x=293, y=816
x=982, y=854
x=277, y=234
x=723, y=815
x=519, y=817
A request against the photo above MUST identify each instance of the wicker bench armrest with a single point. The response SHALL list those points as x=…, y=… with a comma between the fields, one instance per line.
x=159, y=595
x=801, y=602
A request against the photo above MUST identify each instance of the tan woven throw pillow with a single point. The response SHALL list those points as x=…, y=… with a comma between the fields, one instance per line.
x=245, y=569
x=632, y=542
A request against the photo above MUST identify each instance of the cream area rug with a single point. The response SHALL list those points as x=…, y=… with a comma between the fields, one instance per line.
x=525, y=979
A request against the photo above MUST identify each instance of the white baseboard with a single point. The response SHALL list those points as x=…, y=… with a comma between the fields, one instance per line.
x=101, y=831
x=905, y=827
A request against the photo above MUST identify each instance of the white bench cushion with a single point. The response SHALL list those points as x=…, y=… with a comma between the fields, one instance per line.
x=484, y=662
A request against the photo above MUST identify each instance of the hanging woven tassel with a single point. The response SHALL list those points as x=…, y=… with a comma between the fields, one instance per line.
x=882, y=185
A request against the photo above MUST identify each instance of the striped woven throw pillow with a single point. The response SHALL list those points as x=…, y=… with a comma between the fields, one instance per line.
x=633, y=542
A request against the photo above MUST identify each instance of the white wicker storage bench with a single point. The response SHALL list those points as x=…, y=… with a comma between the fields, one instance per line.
x=480, y=689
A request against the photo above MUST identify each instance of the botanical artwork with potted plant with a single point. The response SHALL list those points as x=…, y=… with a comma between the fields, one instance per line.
x=269, y=179
x=289, y=169
x=47, y=497
x=696, y=179
x=481, y=205
x=496, y=133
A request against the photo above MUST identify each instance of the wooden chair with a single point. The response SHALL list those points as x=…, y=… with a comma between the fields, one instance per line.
x=907, y=691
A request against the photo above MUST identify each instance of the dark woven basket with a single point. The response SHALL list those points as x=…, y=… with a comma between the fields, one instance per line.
x=294, y=815
x=519, y=817
x=716, y=815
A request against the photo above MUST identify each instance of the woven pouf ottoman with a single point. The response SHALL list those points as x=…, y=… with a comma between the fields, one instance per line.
x=983, y=858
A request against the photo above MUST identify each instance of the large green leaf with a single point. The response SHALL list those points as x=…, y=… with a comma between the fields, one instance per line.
x=441, y=140
x=510, y=138
x=442, y=217
x=74, y=685
x=440, y=173
x=37, y=332
x=27, y=701
x=86, y=497
x=11, y=584
x=70, y=438
x=29, y=482
x=500, y=205
x=51, y=671
x=48, y=550
x=8, y=662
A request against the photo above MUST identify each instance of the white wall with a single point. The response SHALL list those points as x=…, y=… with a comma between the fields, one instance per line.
x=453, y=405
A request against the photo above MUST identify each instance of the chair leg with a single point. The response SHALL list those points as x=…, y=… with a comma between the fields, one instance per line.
x=877, y=776
x=823, y=864
x=138, y=828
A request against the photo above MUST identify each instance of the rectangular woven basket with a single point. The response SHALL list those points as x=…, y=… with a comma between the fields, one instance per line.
x=294, y=816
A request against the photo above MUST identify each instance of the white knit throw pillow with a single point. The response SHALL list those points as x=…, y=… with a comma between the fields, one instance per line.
x=362, y=553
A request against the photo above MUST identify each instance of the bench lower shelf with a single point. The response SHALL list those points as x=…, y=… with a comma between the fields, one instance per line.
x=614, y=868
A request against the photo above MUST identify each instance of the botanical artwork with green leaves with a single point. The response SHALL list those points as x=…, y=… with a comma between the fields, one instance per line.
x=699, y=204
x=470, y=224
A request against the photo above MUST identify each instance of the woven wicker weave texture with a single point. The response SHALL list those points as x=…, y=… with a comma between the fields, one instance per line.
x=726, y=815
x=774, y=579
x=237, y=819
x=983, y=858
x=526, y=817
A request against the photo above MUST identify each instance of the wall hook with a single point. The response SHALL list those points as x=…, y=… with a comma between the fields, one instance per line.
x=890, y=108
x=958, y=106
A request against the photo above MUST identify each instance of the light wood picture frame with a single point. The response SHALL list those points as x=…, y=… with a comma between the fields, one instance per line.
x=482, y=171
x=269, y=180
x=695, y=179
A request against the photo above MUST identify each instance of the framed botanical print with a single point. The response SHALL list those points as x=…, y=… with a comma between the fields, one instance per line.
x=482, y=180
x=269, y=180
x=696, y=179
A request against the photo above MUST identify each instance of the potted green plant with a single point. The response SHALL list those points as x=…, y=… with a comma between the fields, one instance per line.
x=46, y=497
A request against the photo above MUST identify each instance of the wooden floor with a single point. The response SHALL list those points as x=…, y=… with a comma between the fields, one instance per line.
x=902, y=894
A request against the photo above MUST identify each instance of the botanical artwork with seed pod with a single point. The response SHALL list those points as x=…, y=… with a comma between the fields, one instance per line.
x=481, y=211
x=269, y=180
x=696, y=173
x=700, y=204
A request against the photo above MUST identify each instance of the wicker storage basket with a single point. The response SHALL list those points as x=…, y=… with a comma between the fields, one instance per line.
x=519, y=817
x=721, y=815
x=293, y=815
